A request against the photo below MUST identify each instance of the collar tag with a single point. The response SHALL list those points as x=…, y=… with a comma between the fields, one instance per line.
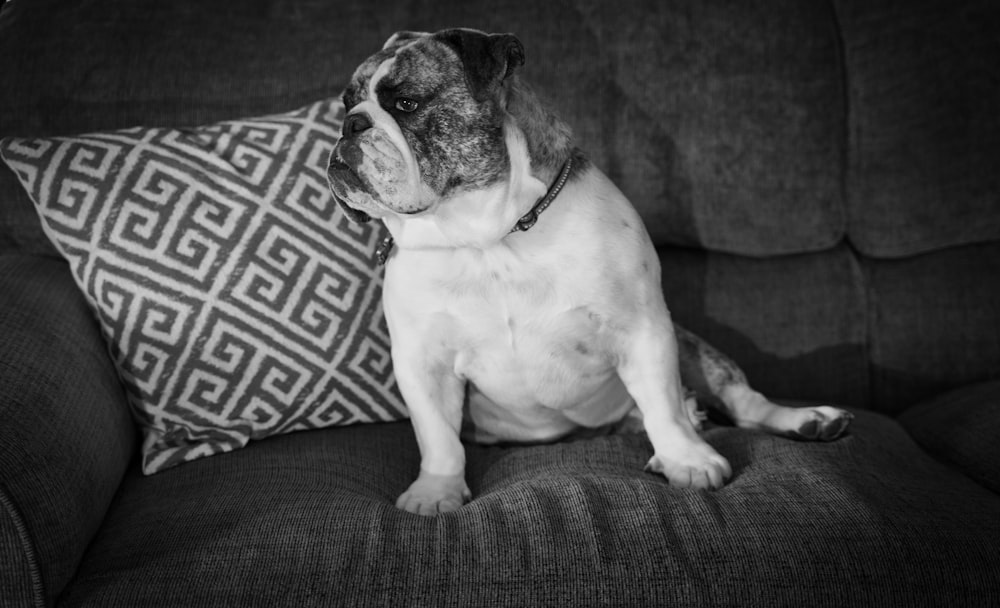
x=383, y=250
x=526, y=222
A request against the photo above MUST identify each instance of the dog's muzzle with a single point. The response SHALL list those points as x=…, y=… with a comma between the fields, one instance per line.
x=342, y=178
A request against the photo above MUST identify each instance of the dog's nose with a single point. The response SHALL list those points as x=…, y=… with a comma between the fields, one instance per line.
x=356, y=123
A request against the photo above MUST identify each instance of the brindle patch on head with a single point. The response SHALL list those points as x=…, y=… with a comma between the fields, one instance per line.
x=454, y=141
x=458, y=142
x=357, y=90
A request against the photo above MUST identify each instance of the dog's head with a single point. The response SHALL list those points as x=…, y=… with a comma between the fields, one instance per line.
x=424, y=122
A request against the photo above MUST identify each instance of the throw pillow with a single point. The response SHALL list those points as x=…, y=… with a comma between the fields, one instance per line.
x=237, y=300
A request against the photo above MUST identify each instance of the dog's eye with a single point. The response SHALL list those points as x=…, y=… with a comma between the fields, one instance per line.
x=406, y=105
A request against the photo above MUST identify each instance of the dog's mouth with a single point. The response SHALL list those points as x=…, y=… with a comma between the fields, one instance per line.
x=364, y=196
x=355, y=215
x=343, y=180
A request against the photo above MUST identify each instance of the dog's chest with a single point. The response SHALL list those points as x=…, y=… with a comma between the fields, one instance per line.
x=525, y=332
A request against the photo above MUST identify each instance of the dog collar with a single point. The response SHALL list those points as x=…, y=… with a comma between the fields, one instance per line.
x=528, y=219
x=525, y=223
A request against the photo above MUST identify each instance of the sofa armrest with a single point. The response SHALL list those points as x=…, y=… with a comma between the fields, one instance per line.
x=66, y=436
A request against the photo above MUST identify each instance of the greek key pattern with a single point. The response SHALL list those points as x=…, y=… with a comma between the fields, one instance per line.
x=237, y=299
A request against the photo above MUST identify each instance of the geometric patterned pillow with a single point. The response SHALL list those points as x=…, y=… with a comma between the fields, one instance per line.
x=237, y=300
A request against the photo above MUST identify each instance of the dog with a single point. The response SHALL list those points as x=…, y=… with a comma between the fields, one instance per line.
x=522, y=292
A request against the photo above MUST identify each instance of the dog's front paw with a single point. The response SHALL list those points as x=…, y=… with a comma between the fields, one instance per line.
x=433, y=494
x=697, y=465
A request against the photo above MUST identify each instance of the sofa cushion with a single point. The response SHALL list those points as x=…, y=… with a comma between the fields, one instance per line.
x=934, y=323
x=238, y=300
x=924, y=127
x=723, y=123
x=797, y=325
x=570, y=524
x=66, y=437
x=962, y=428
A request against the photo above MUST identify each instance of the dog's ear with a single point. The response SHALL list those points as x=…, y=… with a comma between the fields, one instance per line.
x=400, y=38
x=488, y=59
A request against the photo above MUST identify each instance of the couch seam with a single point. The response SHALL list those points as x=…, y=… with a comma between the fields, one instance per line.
x=845, y=135
x=846, y=174
x=860, y=270
x=27, y=546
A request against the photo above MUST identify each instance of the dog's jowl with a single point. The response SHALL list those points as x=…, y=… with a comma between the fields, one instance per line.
x=522, y=291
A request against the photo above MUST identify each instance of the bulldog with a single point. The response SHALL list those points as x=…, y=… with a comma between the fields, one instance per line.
x=522, y=292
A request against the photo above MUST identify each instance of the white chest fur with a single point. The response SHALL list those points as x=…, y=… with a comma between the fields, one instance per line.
x=536, y=350
x=533, y=324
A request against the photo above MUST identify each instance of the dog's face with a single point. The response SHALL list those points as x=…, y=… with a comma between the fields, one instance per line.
x=424, y=122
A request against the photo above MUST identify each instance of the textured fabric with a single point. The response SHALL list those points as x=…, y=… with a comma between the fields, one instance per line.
x=797, y=325
x=238, y=299
x=65, y=433
x=20, y=576
x=722, y=122
x=961, y=428
x=865, y=520
x=715, y=99
x=934, y=323
x=97, y=66
x=924, y=129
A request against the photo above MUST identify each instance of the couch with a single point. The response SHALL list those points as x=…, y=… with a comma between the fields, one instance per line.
x=822, y=182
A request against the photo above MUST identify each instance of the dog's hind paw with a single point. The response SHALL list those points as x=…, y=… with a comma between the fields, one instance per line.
x=822, y=423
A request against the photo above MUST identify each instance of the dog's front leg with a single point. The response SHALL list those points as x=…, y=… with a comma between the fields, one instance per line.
x=648, y=366
x=434, y=397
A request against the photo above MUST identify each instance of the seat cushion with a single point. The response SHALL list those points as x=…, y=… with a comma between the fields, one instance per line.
x=308, y=519
x=934, y=325
x=961, y=427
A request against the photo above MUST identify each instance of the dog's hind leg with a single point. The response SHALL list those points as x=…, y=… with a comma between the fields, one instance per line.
x=721, y=384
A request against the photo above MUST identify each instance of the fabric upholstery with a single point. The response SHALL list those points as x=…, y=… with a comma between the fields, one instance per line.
x=961, y=428
x=238, y=299
x=574, y=524
x=925, y=134
x=722, y=122
x=753, y=129
x=65, y=438
x=934, y=323
x=20, y=577
x=713, y=130
x=792, y=323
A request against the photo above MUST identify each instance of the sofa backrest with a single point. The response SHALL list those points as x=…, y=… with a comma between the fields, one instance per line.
x=737, y=127
x=759, y=130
